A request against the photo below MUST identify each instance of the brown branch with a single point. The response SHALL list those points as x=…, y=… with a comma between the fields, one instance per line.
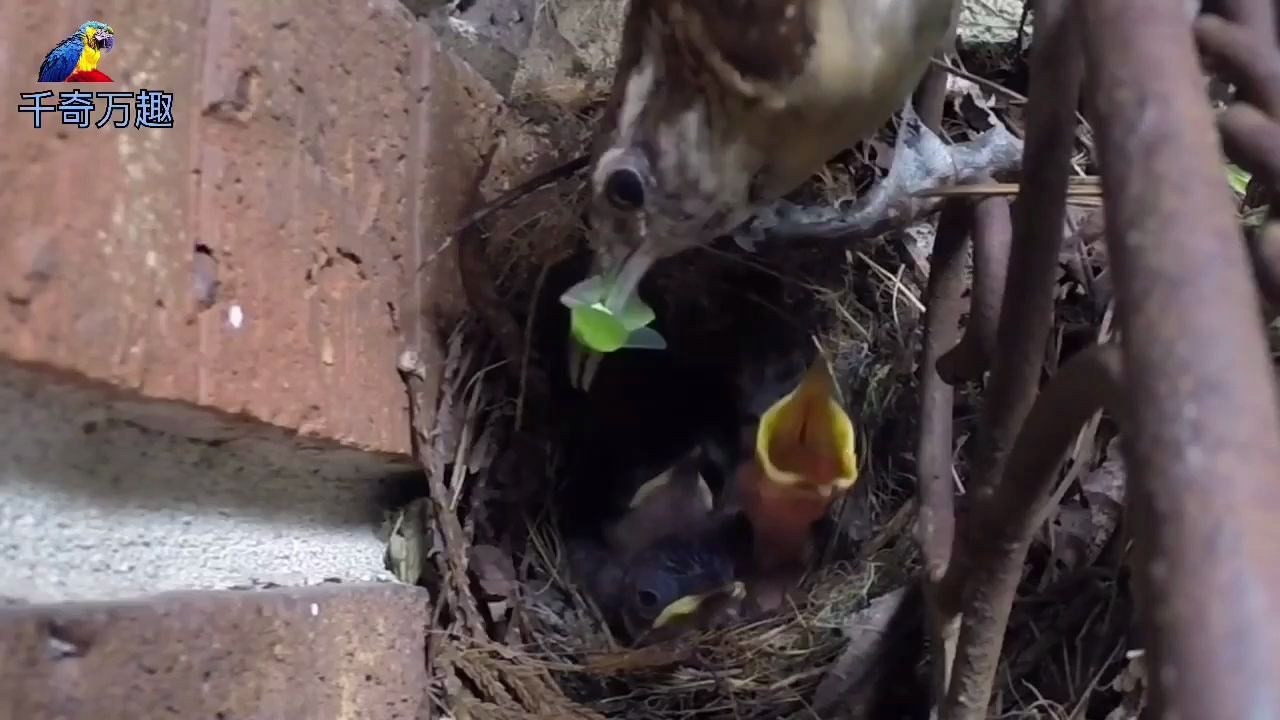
x=931, y=95
x=1087, y=381
x=1251, y=136
x=992, y=238
x=935, y=525
x=1021, y=335
x=1251, y=140
x=1264, y=251
x=1202, y=440
x=1245, y=37
x=935, y=522
x=1023, y=329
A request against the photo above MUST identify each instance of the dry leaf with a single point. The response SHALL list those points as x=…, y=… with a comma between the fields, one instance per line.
x=849, y=675
x=1104, y=490
x=496, y=574
x=1081, y=531
x=1131, y=682
x=409, y=542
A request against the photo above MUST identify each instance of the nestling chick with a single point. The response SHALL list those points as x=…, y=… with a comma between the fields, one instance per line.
x=675, y=502
x=669, y=563
x=720, y=107
x=680, y=584
x=804, y=460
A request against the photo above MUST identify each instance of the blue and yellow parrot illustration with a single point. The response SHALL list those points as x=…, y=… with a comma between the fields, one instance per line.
x=76, y=58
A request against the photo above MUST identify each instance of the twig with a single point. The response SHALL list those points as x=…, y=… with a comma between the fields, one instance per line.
x=980, y=81
x=1083, y=187
x=935, y=523
x=1023, y=329
x=992, y=237
x=930, y=97
x=528, y=187
x=1084, y=384
x=528, y=352
x=1022, y=333
x=454, y=572
x=1252, y=44
x=1253, y=140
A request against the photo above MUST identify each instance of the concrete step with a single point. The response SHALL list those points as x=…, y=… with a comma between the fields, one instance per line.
x=319, y=653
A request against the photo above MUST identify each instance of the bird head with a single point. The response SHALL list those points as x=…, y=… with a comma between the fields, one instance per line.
x=675, y=557
x=804, y=458
x=98, y=36
x=676, y=501
x=688, y=138
x=678, y=584
x=720, y=107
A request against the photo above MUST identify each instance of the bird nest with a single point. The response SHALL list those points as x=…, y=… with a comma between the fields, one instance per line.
x=771, y=666
x=517, y=637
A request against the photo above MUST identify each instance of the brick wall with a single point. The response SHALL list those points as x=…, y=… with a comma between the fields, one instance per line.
x=346, y=652
x=264, y=256
x=247, y=278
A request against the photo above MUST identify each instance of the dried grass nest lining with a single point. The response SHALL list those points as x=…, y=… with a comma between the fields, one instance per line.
x=771, y=666
x=567, y=665
x=562, y=662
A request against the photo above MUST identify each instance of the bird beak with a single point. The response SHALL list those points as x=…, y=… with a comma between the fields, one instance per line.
x=645, y=492
x=623, y=280
x=689, y=605
x=105, y=40
x=806, y=438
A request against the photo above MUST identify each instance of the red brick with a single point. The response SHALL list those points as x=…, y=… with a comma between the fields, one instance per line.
x=322, y=150
x=326, y=652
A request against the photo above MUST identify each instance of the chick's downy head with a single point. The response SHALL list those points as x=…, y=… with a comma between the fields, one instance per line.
x=677, y=584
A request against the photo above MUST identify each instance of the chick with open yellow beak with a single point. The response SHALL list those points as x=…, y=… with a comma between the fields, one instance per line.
x=805, y=458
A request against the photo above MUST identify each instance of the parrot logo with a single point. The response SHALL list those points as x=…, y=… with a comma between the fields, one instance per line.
x=76, y=58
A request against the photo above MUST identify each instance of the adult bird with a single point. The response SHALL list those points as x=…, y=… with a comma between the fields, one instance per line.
x=720, y=107
x=804, y=459
x=76, y=58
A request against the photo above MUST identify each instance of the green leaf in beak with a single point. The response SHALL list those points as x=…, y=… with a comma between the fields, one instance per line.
x=597, y=329
x=645, y=339
x=603, y=330
x=587, y=292
x=636, y=314
x=1238, y=178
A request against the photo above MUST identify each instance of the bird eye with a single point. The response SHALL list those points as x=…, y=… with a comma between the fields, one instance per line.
x=654, y=590
x=624, y=189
